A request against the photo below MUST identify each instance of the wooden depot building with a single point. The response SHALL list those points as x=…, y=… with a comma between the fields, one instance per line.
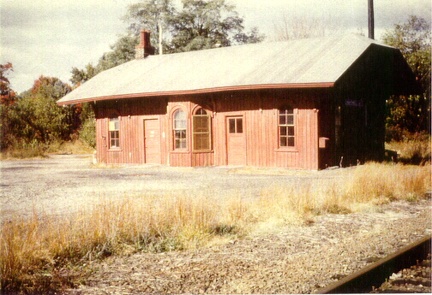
x=303, y=104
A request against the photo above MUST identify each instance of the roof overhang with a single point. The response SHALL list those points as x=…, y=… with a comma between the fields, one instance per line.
x=200, y=91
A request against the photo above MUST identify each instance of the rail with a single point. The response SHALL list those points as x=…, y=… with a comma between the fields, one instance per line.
x=375, y=274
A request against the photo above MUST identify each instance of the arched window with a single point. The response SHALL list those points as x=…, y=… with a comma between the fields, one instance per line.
x=114, y=132
x=286, y=127
x=179, y=130
x=201, y=130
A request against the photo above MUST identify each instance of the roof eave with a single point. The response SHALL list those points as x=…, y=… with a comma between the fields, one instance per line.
x=199, y=91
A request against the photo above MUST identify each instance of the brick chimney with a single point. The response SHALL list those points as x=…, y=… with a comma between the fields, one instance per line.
x=144, y=48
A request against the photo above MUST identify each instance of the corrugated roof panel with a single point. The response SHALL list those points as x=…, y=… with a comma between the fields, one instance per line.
x=307, y=61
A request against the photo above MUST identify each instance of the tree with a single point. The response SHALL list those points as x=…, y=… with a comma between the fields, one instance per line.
x=80, y=76
x=200, y=24
x=35, y=116
x=7, y=96
x=208, y=24
x=122, y=51
x=6, y=93
x=411, y=114
x=152, y=15
x=293, y=27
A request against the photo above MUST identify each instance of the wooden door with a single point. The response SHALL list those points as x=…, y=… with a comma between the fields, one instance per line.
x=152, y=150
x=236, y=141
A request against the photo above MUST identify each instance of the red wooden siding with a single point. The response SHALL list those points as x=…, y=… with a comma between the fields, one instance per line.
x=131, y=116
x=152, y=141
x=236, y=145
x=146, y=130
x=260, y=120
x=203, y=159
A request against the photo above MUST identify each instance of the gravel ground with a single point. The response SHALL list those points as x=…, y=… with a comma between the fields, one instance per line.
x=295, y=259
x=63, y=183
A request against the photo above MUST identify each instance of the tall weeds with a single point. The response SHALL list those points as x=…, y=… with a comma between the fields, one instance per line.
x=413, y=150
x=47, y=253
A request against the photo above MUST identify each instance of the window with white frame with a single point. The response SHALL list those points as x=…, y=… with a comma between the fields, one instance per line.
x=179, y=130
x=114, y=132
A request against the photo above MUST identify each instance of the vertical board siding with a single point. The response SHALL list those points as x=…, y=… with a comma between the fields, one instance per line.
x=180, y=159
x=101, y=140
x=202, y=159
x=219, y=140
x=260, y=112
x=261, y=127
x=131, y=116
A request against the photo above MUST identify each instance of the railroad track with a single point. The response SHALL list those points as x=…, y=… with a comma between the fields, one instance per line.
x=412, y=258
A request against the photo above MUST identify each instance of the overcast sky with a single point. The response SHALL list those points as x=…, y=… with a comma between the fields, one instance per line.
x=47, y=37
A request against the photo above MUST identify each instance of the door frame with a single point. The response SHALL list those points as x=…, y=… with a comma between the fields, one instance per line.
x=227, y=135
x=158, y=140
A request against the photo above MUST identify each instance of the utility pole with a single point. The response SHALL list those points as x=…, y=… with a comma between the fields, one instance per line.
x=159, y=25
x=371, y=20
x=160, y=37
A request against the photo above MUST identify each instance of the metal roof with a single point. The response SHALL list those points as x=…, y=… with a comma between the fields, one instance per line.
x=317, y=62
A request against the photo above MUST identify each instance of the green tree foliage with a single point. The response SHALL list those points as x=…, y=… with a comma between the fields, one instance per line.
x=87, y=132
x=151, y=15
x=411, y=114
x=200, y=24
x=45, y=120
x=34, y=116
x=7, y=96
x=208, y=24
x=80, y=76
x=122, y=51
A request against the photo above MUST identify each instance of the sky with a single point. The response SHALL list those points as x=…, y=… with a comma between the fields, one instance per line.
x=46, y=37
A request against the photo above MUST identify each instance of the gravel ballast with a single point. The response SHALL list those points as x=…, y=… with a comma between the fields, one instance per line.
x=292, y=260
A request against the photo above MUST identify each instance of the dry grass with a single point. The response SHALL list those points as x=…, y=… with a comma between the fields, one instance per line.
x=382, y=183
x=415, y=150
x=69, y=147
x=22, y=150
x=46, y=253
x=35, y=149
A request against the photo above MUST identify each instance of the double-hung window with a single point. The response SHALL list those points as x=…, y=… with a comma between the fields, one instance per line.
x=286, y=128
x=179, y=130
x=114, y=133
